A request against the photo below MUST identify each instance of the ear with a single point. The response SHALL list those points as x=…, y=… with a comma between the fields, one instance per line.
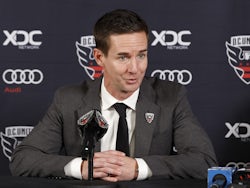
x=99, y=56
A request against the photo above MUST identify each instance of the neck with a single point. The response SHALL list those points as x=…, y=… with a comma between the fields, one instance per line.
x=121, y=95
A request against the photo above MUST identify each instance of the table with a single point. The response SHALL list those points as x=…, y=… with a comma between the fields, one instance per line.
x=31, y=182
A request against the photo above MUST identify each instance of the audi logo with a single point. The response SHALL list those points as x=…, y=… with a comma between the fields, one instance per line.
x=238, y=165
x=183, y=77
x=25, y=76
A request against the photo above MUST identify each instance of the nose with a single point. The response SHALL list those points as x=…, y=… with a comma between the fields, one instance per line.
x=133, y=65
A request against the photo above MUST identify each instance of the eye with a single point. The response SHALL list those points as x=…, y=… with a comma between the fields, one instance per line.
x=123, y=58
x=141, y=56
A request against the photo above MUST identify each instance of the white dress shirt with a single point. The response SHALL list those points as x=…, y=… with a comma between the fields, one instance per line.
x=108, y=142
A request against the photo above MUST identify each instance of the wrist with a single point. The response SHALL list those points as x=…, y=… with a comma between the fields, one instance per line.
x=136, y=172
x=83, y=171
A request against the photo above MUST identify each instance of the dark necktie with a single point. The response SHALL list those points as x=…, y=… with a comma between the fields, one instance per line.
x=122, y=143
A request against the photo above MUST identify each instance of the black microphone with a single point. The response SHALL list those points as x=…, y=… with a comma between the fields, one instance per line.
x=220, y=177
x=219, y=181
x=92, y=126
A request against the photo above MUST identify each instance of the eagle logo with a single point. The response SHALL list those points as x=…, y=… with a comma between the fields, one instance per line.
x=12, y=137
x=238, y=53
x=84, y=51
x=8, y=145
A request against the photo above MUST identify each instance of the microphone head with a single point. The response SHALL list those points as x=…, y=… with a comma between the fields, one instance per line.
x=219, y=176
x=219, y=181
x=93, y=124
x=86, y=118
x=102, y=123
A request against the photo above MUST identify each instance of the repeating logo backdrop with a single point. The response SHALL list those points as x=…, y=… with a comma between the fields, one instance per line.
x=204, y=45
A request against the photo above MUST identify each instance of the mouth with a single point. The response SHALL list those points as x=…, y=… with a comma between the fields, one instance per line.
x=131, y=81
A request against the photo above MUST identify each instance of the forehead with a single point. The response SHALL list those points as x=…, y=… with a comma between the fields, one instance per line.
x=128, y=42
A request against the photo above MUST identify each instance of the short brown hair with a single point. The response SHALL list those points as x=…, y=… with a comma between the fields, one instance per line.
x=119, y=21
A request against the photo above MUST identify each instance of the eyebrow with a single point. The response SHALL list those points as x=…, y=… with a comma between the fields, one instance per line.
x=126, y=53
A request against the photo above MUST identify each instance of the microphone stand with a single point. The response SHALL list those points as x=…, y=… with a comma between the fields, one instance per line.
x=89, y=142
x=90, y=164
x=92, y=127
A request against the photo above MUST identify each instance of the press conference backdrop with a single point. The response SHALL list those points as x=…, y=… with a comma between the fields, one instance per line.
x=204, y=45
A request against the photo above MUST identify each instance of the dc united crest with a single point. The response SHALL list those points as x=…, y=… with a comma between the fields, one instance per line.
x=84, y=51
x=12, y=137
x=238, y=53
x=149, y=117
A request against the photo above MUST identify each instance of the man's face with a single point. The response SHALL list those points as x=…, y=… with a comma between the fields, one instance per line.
x=125, y=64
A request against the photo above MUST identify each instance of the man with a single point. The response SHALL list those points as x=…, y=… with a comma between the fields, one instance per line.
x=159, y=117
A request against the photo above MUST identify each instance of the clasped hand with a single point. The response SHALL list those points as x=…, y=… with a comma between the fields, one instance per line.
x=111, y=166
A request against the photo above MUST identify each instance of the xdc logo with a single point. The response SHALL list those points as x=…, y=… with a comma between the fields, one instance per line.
x=23, y=38
x=171, y=39
x=238, y=130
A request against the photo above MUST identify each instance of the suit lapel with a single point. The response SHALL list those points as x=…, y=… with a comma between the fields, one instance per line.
x=144, y=128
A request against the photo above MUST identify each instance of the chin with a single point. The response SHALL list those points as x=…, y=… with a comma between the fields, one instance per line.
x=131, y=89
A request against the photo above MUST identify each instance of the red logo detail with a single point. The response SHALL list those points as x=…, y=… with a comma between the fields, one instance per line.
x=98, y=71
x=246, y=71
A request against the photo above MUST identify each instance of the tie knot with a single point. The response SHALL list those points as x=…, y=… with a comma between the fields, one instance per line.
x=121, y=109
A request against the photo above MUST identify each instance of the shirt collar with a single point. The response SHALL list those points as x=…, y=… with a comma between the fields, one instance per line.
x=107, y=100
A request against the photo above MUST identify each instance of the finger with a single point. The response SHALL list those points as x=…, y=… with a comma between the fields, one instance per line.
x=103, y=173
x=110, y=171
x=109, y=153
x=106, y=161
x=110, y=178
x=99, y=174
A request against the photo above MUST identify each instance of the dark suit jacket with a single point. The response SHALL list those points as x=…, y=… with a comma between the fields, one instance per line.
x=56, y=140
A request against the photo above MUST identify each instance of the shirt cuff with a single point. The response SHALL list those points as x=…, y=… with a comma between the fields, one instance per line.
x=144, y=170
x=73, y=168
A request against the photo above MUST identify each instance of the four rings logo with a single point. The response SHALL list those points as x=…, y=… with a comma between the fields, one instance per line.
x=238, y=165
x=183, y=77
x=25, y=76
x=23, y=39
